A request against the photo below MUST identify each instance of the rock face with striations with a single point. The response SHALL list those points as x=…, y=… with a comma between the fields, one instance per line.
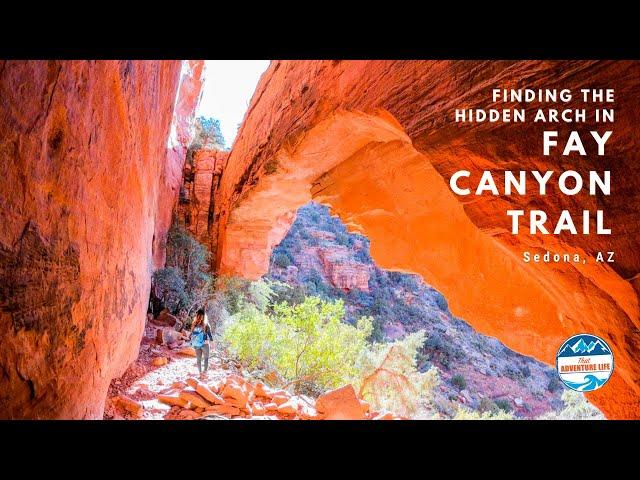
x=200, y=180
x=342, y=272
x=86, y=191
x=377, y=142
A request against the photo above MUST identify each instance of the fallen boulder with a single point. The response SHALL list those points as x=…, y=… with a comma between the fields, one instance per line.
x=259, y=390
x=166, y=319
x=290, y=407
x=168, y=336
x=280, y=399
x=194, y=398
x=223, y=410
x=232, y=390
x=129, y=405
x=173, y=400
x=340, y=404
x=205, y=392
x=160, y=361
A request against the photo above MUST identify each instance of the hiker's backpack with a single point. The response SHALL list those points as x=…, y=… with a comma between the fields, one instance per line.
x=198, y=338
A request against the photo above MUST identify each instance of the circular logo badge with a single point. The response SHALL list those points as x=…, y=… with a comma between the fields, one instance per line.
x=584, y=362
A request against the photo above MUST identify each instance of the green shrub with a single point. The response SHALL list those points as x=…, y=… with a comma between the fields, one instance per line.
x=343, y=238
x=292, y=294
x=441, y=302
x=170, y=288
x=512, y=372
x=377, y=332
x=487, y=405
x=503, y=404
x=282, y=259
x=185, y=284
x=307, y=342
x=459, y=381
x=465, y=414
x=576, y=407
x=554, y=384
x=237, y=293
x=441, y=349
x=390, y=380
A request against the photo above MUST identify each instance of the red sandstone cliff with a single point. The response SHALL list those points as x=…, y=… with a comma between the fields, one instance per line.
x=86, y=183
x=201, y=178
x=180, y=134
x=376, y=141
x=342, y=271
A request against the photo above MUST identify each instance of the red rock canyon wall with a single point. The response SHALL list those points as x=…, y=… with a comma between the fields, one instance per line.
x=87, y=185
x=201, y=179
x=376, y=141
x=92, y=160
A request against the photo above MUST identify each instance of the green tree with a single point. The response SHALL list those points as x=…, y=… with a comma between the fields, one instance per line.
x=207, y=134
x=389, y=379
x=304, y=343
x=185, y=284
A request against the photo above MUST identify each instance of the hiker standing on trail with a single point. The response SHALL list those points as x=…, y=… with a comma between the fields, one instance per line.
x=200, y=336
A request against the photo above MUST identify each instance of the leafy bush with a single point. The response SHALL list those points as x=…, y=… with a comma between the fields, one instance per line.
x=442, y=350
x=441, y=301
x=377, y=332
x=233, y=293
x=185, y=284
x=465, y=414
x=554, y=384
x=459, y=381
x=343, y=238
x=488, y=405
x=503, y=404
x=236, y=293
x=170, y=287
x=512, y=372
x=316, y=285
x=307, y=342
x=390, y=379
x=282, y=259
x=576, y=407
x=292, y=294
x=404, y=280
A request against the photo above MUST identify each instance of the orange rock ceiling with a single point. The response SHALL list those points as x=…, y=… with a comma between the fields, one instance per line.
x=376, y=141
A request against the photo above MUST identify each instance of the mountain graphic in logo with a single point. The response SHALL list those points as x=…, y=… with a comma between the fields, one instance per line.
x=580, y=347
x=584, y=362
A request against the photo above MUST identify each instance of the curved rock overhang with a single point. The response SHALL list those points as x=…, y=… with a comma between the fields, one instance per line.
x=375, y=141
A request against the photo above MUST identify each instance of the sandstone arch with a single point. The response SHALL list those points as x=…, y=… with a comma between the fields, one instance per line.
x=373, y=141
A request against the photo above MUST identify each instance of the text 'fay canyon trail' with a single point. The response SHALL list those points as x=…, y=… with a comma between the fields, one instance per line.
x=92, y=163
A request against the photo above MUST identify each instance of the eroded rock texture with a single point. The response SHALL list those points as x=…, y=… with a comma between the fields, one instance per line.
x=376, y=141
x=201, y=179
x=86, y=181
